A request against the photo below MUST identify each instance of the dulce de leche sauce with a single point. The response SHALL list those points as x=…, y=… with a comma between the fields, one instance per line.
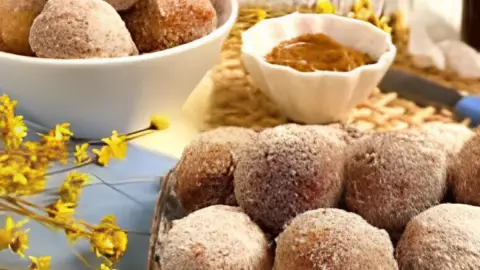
x=312, y=52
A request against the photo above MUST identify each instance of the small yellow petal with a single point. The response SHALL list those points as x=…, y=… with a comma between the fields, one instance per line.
x=159, y=122
x=40, y=263
x=104, y=155
x=325, y=7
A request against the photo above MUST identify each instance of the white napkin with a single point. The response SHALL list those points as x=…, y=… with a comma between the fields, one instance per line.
x=461, y=58
x=435, y=39
x=425, y=53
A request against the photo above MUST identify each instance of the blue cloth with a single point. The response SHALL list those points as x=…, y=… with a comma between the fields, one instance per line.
x=137, y=176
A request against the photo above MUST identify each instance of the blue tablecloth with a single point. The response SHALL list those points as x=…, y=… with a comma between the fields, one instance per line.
x=137, y=176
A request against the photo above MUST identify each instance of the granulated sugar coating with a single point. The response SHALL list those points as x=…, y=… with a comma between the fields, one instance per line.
x=161, y=24
x=444, y=237
x=393, y=176
x=333, y=239
x=216, y=237
x=122, y=5
x=68, y=29
x=349, y=133
x=16, y=18
x=465, y=173
x=289, y=170
x=452, y=137
x=204, y=174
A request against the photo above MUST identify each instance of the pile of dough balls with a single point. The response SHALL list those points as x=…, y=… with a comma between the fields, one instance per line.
x=81, y=29
x=298, y=197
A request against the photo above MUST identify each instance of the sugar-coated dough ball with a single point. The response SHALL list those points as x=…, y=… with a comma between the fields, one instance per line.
x=465, y=173
x=393, y=176
x=348, y=133
x=121, y=5
x=444, y=237
x=16, y=18
x=161, y=24
x=216, y=237
x=451, y=136
x=333, y=239
x=289, y=170
x=204, y=174
x=69, y=29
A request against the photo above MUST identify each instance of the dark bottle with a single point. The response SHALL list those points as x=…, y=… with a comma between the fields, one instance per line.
x=471, y=23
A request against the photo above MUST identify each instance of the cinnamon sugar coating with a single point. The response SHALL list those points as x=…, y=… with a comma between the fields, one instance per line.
x=69, y=29
x=121, y=5
x=161, y=24
x=444, y=237
x=348, y=133
x=465, y=172
x=393, y=176
x=289, y=169
x=333, y=239
x=216, y=237
x=452, y=137
x=204, y=174
x=16, y=19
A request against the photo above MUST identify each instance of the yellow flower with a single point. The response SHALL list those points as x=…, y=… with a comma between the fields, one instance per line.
x=81, y=154
x=118, y=145
x=19, y=179
x=74, y=232
x=20, y=243
x=362, y=4
x=61, y=210
x=104, y=155
x=6, y=238
x=108, y=240
x=161, y=122
x=105, y=267
x=40, y=263
x=55, y=146
x=9, y=232
x=63, y=132
x=71, y=188
x=325, y=7
x=13, y=131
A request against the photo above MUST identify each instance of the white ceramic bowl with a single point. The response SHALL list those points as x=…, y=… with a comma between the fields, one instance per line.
x=100, y=95
x=321, y=96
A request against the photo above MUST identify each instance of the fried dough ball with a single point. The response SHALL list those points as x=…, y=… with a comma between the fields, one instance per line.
x=444, y=237
x=290, y=169
x=465, y=173
x=161, y=24
x=122, y=5
x=16, y=19
x=451, y=136
x=393, y=176
x=70, y=29
x=216, y=237
x=333, y=239
x=204, y=174
x=349, y=133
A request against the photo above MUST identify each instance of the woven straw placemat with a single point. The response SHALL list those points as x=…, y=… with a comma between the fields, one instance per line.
x=234, y=101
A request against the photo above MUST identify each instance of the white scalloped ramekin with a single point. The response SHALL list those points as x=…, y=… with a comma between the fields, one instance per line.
x=322, y=96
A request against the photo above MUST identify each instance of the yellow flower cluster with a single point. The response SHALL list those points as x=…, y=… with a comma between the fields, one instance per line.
x=363, y=10
x=24, y=169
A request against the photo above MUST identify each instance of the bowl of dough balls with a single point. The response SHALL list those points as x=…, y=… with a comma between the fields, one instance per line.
x=310, y=197
x=105, y=65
